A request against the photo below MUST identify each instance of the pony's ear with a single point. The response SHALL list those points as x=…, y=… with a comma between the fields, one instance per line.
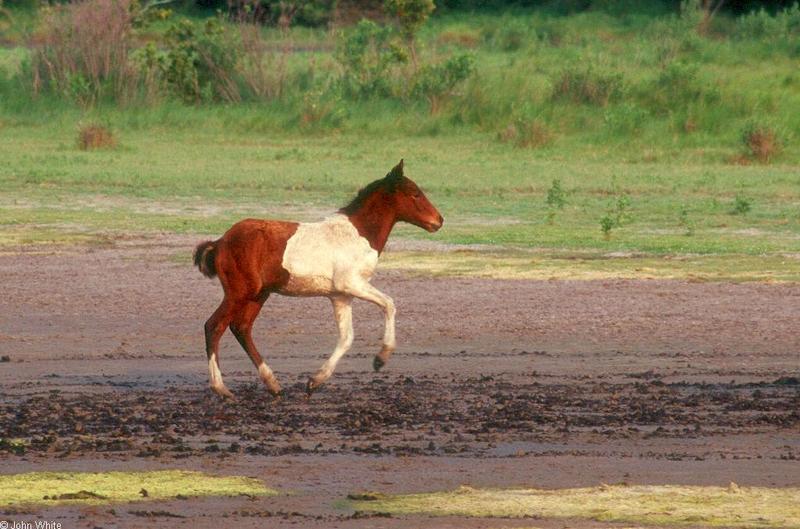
x=396, y=173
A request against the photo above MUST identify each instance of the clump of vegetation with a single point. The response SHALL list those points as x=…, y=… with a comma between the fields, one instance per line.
x=437, y=82
x=556, y=200
x=83, y=51
x=607, y=223
x=368, y=54
x=94, y=136
x=410, y=15
x=527, y=133
x=617, y=215
x=197, y=63
x=626, y=117
x=761, y=142
x=685, y=221
x=742, y=204
x=588, y=87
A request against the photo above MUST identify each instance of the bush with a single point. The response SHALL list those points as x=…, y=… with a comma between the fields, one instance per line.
x=199, y=64
x=511, y=35
x=83, y=51
x=94, y=136
x=281, y=13
x=761, y=142
x=588, y=87
x=760, y=24
x=524, y=133
x=437, y=82
x=678, y=86
x=367, y=55
x=741, y=205
x=626, y=117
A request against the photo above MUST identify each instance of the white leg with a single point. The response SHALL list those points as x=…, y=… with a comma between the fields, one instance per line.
x=343, y=312
x=215, y=376
x=367, y=292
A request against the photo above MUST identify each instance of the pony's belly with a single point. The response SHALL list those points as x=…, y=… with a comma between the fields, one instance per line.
x=307, y=286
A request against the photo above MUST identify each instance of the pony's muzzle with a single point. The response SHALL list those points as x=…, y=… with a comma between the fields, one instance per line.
x=434, y=226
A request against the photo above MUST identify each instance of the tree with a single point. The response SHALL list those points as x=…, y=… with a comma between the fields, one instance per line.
x=410, y=15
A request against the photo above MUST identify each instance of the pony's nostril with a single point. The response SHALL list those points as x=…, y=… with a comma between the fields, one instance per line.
x=441, y=221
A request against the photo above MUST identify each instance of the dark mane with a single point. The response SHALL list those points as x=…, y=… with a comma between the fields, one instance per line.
x=363, y=194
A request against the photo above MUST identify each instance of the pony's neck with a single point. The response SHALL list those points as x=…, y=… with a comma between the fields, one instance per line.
x=374, y=221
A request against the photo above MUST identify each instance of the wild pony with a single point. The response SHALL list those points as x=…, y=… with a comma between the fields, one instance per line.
x=334, y=258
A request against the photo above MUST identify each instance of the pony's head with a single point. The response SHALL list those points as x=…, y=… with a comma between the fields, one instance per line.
x=410, y=203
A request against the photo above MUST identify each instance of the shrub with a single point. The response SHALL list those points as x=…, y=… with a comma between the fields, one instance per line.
x=437, y=82
x=367, y=55
x=626, y=117
x=556, y=199
x=760, y=24
x=513, y=34
x=526, y=133
x=82, y=50
x=606, y=225
x=262, y=70
x=742, y=205
x=282, y=13
x=617, y=215
x=761, y=142
x=94, y=136
x=199, y=64
x=685, y=221
x=586, y=86
x=556, y=196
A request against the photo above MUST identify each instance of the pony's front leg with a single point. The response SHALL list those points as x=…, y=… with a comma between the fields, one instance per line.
x=343, y=312
x=369, y=293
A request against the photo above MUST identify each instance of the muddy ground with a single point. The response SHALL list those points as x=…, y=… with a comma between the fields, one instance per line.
x=495, y=383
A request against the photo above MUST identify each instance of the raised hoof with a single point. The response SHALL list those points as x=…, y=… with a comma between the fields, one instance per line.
x=277, y=395
x=377, y=363
x=223, y=392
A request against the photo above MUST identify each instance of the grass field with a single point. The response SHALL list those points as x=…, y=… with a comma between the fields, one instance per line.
x=661, y=165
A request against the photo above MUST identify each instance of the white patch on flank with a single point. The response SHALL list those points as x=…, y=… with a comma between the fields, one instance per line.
x=327, y=257
x=331, y=259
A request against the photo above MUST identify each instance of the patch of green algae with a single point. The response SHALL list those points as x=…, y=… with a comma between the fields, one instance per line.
x=52, y=488
x=668, y=505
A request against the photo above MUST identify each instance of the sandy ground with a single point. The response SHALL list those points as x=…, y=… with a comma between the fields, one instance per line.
x=495, y=383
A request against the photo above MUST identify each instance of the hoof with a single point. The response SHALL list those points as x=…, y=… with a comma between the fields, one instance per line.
x=275, y=390
x=277, y=395
x=223, y=392
x=311, y=386
x=377, y=363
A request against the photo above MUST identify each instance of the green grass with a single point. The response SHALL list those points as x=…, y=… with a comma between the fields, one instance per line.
x=46, y=488
x=166, y=180
x=667, y=141
x=663, y=505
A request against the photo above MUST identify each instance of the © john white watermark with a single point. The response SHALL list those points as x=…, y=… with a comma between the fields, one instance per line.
x=36, y=524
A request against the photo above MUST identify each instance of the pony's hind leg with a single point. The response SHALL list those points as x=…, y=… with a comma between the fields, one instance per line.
x=214, y=328
x=343, y=312
x=242, y=328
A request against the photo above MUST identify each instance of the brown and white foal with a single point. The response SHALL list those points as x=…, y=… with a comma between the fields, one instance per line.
x=334, y=258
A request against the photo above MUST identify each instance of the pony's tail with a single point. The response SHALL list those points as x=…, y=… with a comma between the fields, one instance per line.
x=204, y=256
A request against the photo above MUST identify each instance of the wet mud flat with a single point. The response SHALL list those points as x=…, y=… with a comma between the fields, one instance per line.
x=399, y=415
x=547, y=384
